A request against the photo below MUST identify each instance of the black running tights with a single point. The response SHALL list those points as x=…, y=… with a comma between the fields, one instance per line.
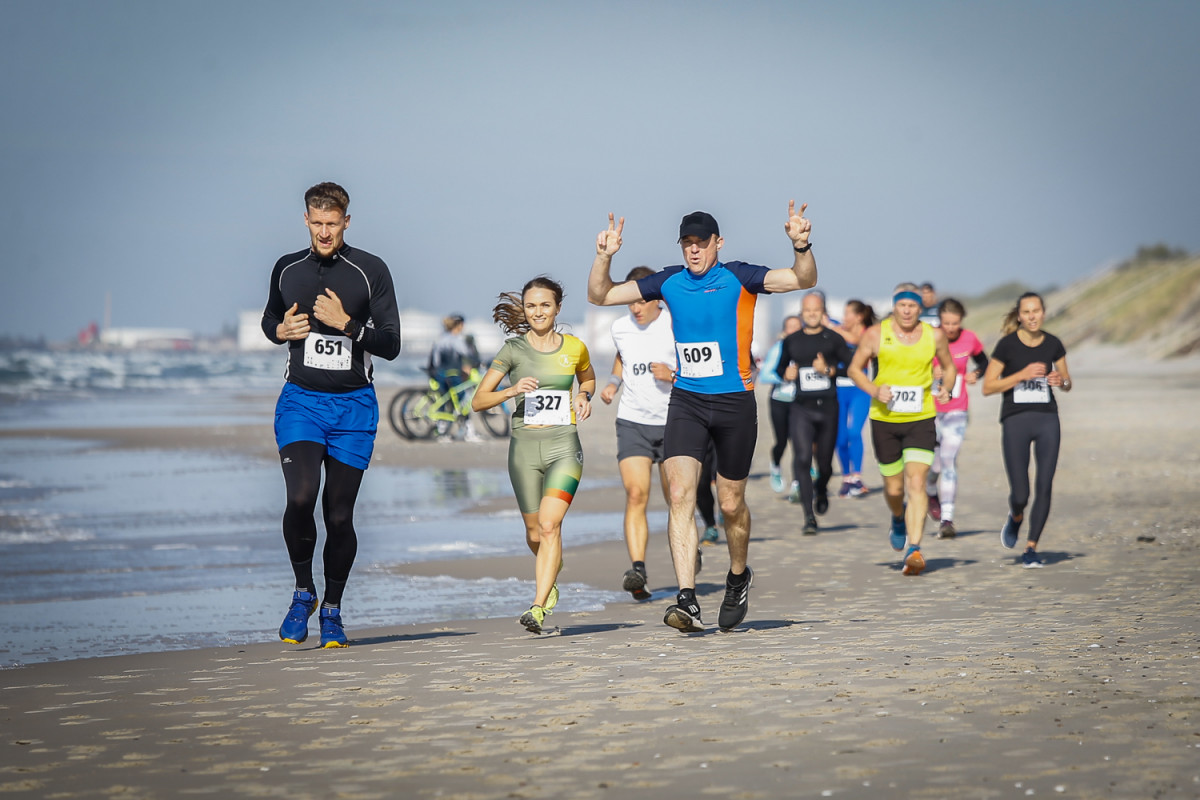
x=302, y=463
x=814, y=422
x=1040, y=431
x=779, y=426
x=705, y=502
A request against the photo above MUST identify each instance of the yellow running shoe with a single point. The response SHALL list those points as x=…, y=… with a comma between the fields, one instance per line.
x=533, y=619
x=552, y=600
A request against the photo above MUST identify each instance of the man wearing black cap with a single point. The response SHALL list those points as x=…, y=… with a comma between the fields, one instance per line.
x=712, y=308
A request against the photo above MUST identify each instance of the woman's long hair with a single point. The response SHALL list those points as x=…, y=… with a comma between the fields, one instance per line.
x=1012, y=320
x=863, y=310
x=509, y=313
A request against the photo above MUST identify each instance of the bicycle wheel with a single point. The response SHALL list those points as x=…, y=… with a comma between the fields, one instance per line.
x=395, y=412
x=495, y=419
x=414, y=414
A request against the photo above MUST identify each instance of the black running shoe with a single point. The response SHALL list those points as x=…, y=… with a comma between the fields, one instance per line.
x=822, y=502
x=634, y=582
x=1010, y=532
x=685, y=615
x=736, y=603
x=810, y=527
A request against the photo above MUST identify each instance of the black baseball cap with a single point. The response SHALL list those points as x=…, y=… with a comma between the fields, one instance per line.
x=699, y=223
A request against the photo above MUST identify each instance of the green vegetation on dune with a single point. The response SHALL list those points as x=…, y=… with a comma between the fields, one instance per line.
x=1152, y=299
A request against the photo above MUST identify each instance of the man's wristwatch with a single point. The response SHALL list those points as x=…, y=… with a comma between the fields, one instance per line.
x=352, y=329
x=805, y=249
x=588, y=395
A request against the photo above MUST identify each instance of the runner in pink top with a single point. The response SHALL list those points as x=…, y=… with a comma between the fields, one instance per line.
x=942, y=484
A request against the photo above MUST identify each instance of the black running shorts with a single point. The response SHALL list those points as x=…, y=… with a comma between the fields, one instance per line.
x=729, y=420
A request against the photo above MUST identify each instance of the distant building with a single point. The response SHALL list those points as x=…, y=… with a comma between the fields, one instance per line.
x=147, y=338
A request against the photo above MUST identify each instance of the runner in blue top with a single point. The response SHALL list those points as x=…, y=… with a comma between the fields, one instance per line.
x=712, y=310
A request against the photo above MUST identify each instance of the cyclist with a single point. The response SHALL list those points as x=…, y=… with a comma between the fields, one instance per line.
x=545, y=459
x=451, y=360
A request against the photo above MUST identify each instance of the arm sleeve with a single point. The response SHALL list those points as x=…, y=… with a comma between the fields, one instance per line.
x=274, y=310
x=585, y=359
x=383, y=338
x=770, y=373
x=751, y=276
x=651, y=285
x=843, y=354
x=981, y=361
x=503, y=360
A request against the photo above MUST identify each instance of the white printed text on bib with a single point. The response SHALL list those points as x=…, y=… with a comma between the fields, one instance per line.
x=699, y=359
x=1032, y=391
x=813, y=381
x=548, y=407
x=907, y=399
x=327, y=352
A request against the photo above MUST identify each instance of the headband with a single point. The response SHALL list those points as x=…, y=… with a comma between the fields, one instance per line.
x=907, y=295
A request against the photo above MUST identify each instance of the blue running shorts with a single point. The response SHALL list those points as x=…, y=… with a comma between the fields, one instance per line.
x=344, y=423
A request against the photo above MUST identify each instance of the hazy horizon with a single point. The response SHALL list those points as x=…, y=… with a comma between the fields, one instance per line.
x=160, y=152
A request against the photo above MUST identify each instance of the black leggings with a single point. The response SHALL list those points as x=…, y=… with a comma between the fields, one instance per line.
x=1040, y=430
x=779, y=425
x=302, y=462
x=814, y=422
x=705, y=503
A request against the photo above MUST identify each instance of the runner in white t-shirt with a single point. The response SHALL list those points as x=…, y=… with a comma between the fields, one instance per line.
x=645, y=354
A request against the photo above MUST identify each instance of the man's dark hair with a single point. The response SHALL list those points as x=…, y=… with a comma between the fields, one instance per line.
x=326, y=196
x=637, y=273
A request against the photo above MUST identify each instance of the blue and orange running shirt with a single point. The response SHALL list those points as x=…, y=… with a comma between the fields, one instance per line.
x=713, y=317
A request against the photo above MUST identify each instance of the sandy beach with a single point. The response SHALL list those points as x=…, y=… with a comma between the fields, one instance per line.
x=977, y=679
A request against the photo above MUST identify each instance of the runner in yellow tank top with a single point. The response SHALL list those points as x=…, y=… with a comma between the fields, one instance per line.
x=905, y=368
x=902, y=413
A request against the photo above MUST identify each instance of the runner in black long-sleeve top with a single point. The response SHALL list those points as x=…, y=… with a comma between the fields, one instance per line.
x=810, y=358
x=335, y=306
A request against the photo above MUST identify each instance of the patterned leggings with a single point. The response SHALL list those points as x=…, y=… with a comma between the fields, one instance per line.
x=943, y=475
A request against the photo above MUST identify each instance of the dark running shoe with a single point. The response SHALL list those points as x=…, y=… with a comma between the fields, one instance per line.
x=634, y=582
x=1031, y=560
x=1009, y=533
x=332, y=633
x=822, y=502
x=898, y=534
x=294, y=629
x=685, y=614
x=935, y=507
x=845, y=490
x=947, y=530
x=736, y=602
x=711, y=535
x=810, y=527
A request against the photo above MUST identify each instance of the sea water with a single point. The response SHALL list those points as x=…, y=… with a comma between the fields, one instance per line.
x=108, y=551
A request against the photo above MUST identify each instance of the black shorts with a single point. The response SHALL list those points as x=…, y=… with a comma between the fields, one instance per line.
x=899, y=442
x=729, y=421
x=636, y=439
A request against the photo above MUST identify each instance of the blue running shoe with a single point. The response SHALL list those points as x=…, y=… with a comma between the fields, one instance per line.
x=332, y=634
x=711, y=535
x=898, y=535
x=294, y=629
x=776, y=478
x=1031, y=559
x=1009, y=533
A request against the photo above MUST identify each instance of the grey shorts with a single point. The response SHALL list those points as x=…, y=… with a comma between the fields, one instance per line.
x=636, y=439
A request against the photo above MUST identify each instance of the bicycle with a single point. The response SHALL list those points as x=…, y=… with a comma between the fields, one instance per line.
x=420, y=413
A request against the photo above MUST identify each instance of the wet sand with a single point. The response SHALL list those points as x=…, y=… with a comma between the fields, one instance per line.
x=977, y=679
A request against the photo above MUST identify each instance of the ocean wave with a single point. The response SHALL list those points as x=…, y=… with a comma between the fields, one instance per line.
x=32, y=373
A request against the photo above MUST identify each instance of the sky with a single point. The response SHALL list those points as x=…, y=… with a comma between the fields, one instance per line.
x=159, y=152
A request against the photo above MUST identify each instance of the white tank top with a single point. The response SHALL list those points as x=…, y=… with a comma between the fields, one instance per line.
x=644, y=399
